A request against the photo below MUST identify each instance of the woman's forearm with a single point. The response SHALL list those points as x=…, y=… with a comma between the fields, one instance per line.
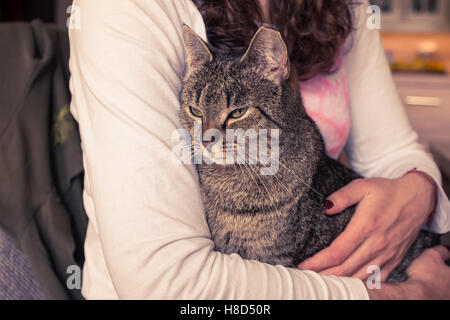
x=429, y=278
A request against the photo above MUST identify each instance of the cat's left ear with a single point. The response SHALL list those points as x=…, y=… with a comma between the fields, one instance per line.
x=268, y=52
x=198, y=53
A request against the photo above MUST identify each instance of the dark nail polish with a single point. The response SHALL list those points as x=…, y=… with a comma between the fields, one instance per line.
x=328, y=204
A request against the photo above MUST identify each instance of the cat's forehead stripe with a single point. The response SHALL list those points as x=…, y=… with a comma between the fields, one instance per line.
x=214, y=93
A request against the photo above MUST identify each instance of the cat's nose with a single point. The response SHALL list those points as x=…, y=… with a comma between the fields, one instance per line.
x=207, y=143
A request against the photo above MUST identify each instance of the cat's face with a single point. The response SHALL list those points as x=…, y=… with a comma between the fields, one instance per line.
x=227, y=94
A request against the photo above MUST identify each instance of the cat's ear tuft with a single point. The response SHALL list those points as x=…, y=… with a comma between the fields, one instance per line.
x=198, y=53
x=269, y=52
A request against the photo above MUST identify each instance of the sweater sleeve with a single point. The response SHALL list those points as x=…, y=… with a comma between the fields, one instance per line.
x=147, y=236
x=382, y=142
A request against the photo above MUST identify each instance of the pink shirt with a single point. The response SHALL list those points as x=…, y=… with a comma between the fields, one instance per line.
x=326, y=100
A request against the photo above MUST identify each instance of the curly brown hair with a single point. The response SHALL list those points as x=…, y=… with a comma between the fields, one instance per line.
x=314, y=30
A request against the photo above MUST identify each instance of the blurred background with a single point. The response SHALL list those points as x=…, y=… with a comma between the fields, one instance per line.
x=416, y=37
x=52, y=11
x=415, y=34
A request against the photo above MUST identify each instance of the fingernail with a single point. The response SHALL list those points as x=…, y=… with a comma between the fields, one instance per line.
x=328, y=204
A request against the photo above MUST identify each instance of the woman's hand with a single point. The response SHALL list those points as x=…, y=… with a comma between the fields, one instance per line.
x=388, y=218
x=428, y=278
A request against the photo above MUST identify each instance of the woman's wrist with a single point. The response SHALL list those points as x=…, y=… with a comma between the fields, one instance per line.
x=424, y=185
x=398, y=291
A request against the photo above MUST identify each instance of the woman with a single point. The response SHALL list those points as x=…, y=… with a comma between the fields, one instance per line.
x=147, y=235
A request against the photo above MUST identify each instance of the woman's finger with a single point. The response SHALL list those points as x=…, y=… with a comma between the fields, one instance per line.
x=443, y=252
x=357, y=261
x=347, y=242
x=346, y=197
x=342, y=247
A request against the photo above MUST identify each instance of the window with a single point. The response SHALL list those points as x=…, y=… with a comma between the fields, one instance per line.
x=385, y=5
x=414, y=15
x=424, y=6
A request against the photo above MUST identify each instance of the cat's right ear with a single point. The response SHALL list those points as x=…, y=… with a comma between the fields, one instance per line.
x=198, y=53
x=268, y=53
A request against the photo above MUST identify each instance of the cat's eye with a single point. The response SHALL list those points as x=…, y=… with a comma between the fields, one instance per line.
x=195, y=112
x=238, y=113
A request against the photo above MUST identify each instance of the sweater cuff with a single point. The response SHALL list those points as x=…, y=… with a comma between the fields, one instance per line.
x=434, y=185
x=359, y=290
x=440, y=222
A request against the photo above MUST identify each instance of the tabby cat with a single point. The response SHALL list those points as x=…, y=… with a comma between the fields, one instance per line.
x=274, y=218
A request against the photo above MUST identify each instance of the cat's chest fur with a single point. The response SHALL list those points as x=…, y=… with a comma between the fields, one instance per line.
x=273, y=223
x=255, y=236
x=274, y=233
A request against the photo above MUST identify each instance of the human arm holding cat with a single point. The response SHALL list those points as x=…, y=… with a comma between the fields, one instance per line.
x=392, y=206
x=428, y=278
x=147, y=236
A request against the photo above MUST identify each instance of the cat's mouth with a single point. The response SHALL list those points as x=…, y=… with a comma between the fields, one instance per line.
x=223, y=155
x=262, y=153
x=219, y=154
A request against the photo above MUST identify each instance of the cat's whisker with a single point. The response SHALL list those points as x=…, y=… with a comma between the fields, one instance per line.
x=265, y=187
x=262, y=182
x=176, y=149
x=185, y=157
x=281, y=183
x=160, y=141
x=302, y=181
x=251, y=177
x=192, y=157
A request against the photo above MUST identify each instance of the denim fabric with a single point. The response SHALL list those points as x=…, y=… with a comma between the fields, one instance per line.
x=16, y=280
